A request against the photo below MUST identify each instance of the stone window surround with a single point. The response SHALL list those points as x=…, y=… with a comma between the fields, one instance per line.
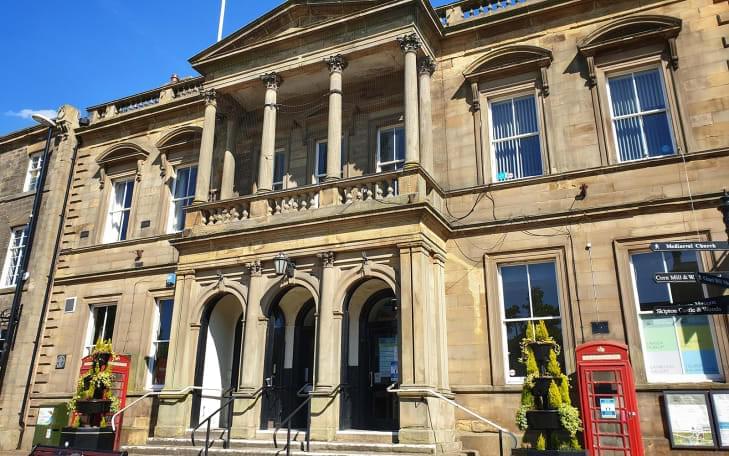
x=374, y=126
x=103, y=215
x=321, y=137
x=623, y=248
x=489, y=96
x=493, y=304
x=29, y=169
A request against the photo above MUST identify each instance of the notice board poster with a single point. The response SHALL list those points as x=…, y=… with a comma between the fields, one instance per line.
x=689, y=419
x=720, y=403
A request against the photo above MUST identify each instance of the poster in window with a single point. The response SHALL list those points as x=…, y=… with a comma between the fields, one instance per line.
x=689, y=419
x=720, y=403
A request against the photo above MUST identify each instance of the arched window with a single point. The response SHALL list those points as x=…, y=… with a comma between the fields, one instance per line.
x=630, y=69
x=508, y=88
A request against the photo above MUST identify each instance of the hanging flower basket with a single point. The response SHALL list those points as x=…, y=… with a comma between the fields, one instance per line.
x=541, y=351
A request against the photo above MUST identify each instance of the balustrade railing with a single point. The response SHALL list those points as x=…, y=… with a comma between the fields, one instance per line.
x=475, y=8
x=377, y=187
x=224, y=212
x=294, y=201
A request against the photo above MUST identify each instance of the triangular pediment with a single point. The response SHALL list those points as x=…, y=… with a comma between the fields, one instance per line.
x=287, y=19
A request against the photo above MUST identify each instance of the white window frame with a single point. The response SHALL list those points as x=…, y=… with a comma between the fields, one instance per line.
x=10, y=278
x=89, y=344
x=682, y=378
x=509, y=380
x=640, y=114
x=278, y=185
x=35, y=165
x=171, y=228
x=492, y=142
x=108, y=230
x=395, y=162
x=156, y=321
x=317, y=178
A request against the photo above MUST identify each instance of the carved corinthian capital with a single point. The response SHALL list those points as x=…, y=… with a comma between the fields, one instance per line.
x=272, y=80
x=409, y=43
x=210, y=97
x=254, y=267
x=426, y=65
x=336, y=63
x=327, y=259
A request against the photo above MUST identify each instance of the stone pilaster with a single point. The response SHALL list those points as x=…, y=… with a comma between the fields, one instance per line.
x=426, y=67
x=272, y=81
x=205, y=160
x=336, y=64
x=410, y=45
x=228, y=180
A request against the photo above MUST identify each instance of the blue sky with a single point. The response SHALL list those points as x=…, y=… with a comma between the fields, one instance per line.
x=89, y=52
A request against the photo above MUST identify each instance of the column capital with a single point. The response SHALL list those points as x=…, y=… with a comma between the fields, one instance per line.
x=272, y=80
x=327, y=259
x=254, y=268
x=210, y=96
x=426, y=65
x=409, y=43
x=336, y=63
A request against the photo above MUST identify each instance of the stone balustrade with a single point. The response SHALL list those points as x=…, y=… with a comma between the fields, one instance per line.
x=397, y=187
x=456, y=13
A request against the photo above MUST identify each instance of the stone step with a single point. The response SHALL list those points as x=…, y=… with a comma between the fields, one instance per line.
x=156, y=450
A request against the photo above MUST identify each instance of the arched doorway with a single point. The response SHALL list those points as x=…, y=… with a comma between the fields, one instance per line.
x=289, y=363
x=218, y=357
x=371, y=354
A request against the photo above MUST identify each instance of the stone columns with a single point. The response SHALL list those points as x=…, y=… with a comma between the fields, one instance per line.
x=268, y=137
x=228, y=180
x=205, y=160
x=424, y=351
x=336, y=65
x=247, y=406
x=426, y=67
x=410, y=45
x=324, y=405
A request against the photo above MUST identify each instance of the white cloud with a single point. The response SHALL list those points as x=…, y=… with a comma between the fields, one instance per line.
x=27, y=113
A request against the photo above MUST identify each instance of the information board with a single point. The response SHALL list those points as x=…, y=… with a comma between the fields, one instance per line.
x=720, y=404
x=689, y=419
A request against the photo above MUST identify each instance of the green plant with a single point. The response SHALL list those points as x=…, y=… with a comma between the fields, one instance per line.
x=541, y=442
x=98, y=379
x=569, y=417
x=102, y=346
x=564, y=390
x=553, y=367
x=555, y=398
x=541, y=334
x=530, y=362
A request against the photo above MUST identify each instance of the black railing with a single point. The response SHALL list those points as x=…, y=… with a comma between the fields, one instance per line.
x=304, y=391
x=228, y=424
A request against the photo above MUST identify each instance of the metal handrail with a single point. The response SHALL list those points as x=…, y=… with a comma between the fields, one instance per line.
x=226, y=442
x=434, y=393
x=185, y=390
x=291, y=415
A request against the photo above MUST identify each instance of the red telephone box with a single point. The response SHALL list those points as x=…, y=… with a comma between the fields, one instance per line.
x=608, y=399
x=120, y=371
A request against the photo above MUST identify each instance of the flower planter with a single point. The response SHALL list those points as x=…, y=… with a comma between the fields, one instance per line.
x=93, y=407
x=541, y=351
x=533, y=452
x=541, y=384
x=88, y=438
x=544, y=420
x=103, y=359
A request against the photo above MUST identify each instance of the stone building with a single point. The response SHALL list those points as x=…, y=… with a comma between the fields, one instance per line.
x=500, y=163
x=21, y=155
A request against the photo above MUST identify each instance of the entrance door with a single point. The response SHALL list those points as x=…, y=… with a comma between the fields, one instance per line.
x=611, y=414
x=303, y=372
x=379, y=351
x=273, y=377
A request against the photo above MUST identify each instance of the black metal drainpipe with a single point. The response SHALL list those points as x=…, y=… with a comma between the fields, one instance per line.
x=14, y=310
x=46, y=296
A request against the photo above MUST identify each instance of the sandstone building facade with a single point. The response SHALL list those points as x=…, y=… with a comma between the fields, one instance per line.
x=435, y=179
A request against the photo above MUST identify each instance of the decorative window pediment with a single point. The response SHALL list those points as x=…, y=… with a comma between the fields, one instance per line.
x=120, y=154
x=630, y=32
x=511, y=60
x=178, y=141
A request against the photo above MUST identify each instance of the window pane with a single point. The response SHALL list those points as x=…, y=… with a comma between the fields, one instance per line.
x=645, y=266
x=622, y=95
x=515, y=332
x=165, y=319
x=660, y=348
x=178, y=215
x=650, y=90
x=531, y=157
x=387, y=146
x=697, y=345
x=128, y=194
x=321, y=159
x=545, y=300
x=183, y=177
x=193, y=181
x=100, y=316
x=630, y=141
x=507, y=165
x=399, y=143
x=526, y=115
x=683, y=262
x=658, y=134
x=124, y=225
x=110, y=317
x=118, y=196
x=159, y=368
x=516, y=291
x=501, y=120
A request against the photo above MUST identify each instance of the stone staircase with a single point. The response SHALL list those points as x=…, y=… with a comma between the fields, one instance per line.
x=346, y=444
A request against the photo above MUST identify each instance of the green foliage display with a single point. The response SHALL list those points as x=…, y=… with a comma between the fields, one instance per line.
x=99, y=379
x=530, y=362
x=569, y=417
x=541, y=442
x=564, y=390
x=540, y=333
x=553, y=367
x=555, y=398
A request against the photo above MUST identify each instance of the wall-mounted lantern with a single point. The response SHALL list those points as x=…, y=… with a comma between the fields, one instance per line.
x=283, y=266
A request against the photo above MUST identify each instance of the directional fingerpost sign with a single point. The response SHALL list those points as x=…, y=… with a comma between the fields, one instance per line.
x=711, y=279
x=710, y=306
x=688, y=245
x=674, y=277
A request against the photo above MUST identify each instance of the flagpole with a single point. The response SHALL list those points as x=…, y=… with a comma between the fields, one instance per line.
x=220, y=23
